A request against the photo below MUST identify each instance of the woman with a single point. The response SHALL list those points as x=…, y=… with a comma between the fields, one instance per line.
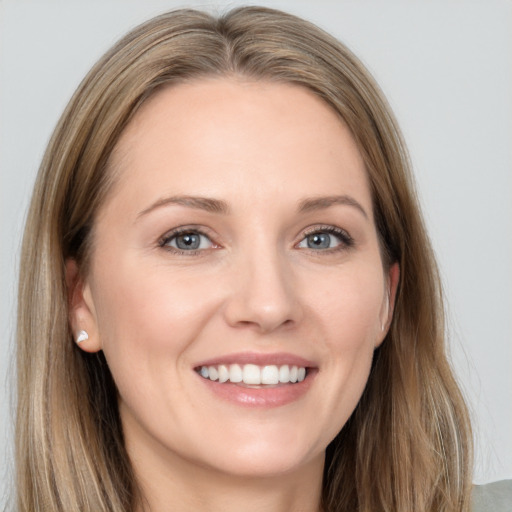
x=228, y=299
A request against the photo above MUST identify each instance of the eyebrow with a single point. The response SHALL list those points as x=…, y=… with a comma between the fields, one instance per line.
x=199, y=203
x=221, y=207
x=320, y=203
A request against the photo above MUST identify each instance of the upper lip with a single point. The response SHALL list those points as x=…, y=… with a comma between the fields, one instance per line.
x=259, y=359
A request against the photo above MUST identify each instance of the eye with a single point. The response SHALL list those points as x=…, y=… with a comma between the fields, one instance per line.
x=186, y=241
x=325, y=239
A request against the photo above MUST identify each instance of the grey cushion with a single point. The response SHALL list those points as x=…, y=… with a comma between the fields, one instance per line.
x=493, y=497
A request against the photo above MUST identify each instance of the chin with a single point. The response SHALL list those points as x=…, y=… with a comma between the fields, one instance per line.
x=264, y=457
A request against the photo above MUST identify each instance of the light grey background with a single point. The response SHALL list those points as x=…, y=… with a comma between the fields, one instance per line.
x=446, y=67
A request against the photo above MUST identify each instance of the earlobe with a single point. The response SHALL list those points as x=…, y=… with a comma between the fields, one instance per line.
x=81, y=313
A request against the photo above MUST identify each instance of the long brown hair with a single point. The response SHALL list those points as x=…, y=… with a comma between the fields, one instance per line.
x=406, y=447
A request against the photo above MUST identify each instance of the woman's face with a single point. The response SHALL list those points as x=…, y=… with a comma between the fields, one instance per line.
x=238, y=243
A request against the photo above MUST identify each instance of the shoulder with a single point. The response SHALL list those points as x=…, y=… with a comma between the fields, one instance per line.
x=493, y=497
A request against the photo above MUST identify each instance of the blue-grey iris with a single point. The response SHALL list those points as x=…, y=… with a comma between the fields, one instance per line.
x=319, y=241
x=188, y=241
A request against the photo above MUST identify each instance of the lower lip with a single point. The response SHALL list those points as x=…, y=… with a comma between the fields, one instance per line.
x=274, y=396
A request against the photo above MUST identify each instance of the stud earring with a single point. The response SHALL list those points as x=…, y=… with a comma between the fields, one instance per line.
x=82, y=336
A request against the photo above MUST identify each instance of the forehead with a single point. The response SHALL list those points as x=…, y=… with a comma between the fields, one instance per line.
x=226, y=137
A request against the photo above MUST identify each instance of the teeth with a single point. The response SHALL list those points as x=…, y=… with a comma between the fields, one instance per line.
x=251, y=374
x=223, y=373
x=213, y=373
x=284, y=373
x=235, y=373
x=254, y=375
x=270, y=375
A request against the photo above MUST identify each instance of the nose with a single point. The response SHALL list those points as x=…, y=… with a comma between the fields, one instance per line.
x=264, y=294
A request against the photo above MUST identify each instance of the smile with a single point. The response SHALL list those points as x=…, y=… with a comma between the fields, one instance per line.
x=252, y=374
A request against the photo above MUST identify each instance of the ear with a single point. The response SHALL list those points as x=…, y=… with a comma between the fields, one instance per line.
x=81, y=312
x=388, y=306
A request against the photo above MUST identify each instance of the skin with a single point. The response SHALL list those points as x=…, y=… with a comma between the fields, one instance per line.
x=253, y=286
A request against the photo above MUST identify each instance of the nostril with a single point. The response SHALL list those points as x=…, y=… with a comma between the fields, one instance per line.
x=264, y=324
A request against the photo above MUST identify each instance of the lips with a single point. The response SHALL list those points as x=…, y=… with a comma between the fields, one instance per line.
x=253, y=379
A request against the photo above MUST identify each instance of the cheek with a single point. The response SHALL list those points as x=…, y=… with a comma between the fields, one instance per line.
x=349, y=305
x=348, y=311
x=146, y=313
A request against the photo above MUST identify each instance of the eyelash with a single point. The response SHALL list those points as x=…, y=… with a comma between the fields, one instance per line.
x=346, y=241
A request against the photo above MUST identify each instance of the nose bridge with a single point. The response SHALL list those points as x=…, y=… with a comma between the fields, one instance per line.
x=264, y=293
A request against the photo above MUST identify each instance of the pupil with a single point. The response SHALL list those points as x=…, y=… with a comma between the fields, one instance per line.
x=319, y=241
x=188, y=241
